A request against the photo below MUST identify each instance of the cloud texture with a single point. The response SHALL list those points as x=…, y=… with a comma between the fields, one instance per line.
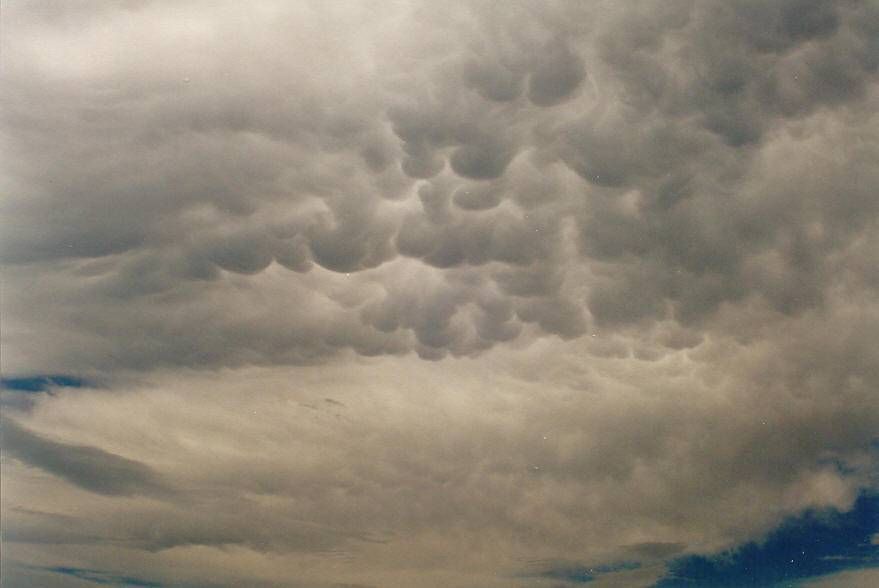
x=482, y=293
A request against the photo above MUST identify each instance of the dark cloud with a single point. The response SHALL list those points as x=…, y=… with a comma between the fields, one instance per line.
x=674, y=134
x=494, y=81
x=808, y=19
x=240, y=254
x=90, y=468
x=480, y=162
x=657, y=549
x=556, y=75
x=477, y=197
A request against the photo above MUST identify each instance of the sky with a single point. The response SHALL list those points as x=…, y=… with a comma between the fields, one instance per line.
x=473, y=294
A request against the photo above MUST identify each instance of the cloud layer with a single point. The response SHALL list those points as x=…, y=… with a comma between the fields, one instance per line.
x=471, y=185
x=634, y=244
x=507, y=480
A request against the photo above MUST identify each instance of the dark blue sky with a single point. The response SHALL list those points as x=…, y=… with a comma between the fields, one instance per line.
x=41, y=383
x=814, y=543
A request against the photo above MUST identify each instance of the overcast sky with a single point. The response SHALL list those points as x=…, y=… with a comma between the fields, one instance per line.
x=474, y=294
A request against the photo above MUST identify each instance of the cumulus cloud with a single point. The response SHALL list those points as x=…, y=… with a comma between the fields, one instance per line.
x=636, y=243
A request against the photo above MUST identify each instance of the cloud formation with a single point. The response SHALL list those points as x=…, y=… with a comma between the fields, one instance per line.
x=540, y=288
x=90, y=468
x=703, y=142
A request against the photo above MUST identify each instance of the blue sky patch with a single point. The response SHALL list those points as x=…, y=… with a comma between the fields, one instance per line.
x=41, y=383
x=815, y=543
x=100, y=577
x=584, y=574
x=575, y=575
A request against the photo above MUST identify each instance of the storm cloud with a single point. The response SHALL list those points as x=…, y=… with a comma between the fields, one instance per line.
x=705, y=142
x=577, y=286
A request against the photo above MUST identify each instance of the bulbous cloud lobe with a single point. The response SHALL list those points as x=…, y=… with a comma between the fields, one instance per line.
x=581, y=167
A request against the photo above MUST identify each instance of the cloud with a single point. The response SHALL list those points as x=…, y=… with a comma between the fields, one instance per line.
x=19, y=393
x=591, y=285
x=684, y=125
x=90, y=468
x=556, y=75
x=597, y=461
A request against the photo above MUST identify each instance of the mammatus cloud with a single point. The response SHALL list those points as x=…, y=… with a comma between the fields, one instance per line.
x=637, y=243
x=638, y=166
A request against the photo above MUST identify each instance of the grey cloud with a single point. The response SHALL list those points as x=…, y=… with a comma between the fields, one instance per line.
x=589, y=463
x=671, y=137
x=520, y=242
x=292, y=253
x=555, y=76
x=349, y=248
x=480, y=162
x=90, y=468
x=496, y=323
x=435, y=201
x=416, y=236
x=474, y=240
x=634, y=298
x=494, y=81
x=15, y=400
x=560, y=316
x=807, y=19
x=240, y=253
x=421, y=164
x=477, y=197
x=657, y=548
x=41, y=527
x=682, y=339
x=601, y=156
x=450, y=250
